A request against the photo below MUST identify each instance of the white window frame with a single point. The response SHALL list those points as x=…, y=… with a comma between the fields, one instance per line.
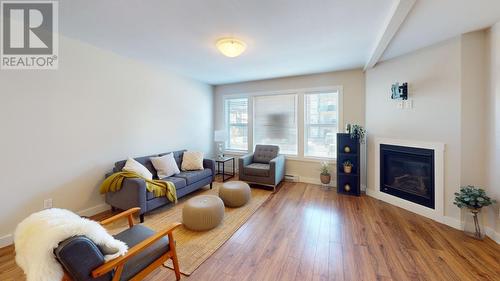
x=226, y=124
x=300, y=118
x=340, y=124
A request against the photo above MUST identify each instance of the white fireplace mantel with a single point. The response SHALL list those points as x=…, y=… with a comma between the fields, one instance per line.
x=437, y=213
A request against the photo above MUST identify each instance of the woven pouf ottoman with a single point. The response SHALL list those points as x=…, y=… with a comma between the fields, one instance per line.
x=235, y=193
x=203, y=212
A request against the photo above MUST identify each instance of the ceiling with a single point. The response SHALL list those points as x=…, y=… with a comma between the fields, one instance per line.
x=432, y=21
x=284, y=37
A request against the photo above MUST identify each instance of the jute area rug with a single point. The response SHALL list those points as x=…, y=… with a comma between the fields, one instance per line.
x=193, y=248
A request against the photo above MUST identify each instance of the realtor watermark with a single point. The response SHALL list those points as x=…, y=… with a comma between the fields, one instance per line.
x=29, y=34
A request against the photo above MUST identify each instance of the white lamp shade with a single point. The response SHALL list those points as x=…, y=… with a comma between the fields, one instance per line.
x=220, y=136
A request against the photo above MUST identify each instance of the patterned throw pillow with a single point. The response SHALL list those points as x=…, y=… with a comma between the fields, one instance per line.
x=133, y=166
x=165, y=165
x=192, y=160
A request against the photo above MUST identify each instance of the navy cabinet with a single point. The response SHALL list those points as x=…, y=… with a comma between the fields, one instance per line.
x=348, y=150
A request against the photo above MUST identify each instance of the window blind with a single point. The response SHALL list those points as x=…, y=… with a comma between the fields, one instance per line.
x=275, y=122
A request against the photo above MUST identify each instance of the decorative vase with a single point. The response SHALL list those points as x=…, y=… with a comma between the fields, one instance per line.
x=325, y=178
x=347, y=149
x=347, y=187
x=347, y=169
x=473, y=223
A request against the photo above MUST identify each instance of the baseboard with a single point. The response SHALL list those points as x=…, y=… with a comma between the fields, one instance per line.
x=314, y=181
x=94, y=210
x=495, y=236
x=449, y=221
x=9, y=238
x=6, y=240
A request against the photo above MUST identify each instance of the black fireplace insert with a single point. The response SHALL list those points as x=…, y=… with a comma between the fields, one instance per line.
x=408, y=173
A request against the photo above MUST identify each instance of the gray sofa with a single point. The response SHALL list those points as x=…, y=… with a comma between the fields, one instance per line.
x=134, y=194
x=265, y=166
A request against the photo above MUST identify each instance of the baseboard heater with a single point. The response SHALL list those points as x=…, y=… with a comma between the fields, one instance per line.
x=291, y=178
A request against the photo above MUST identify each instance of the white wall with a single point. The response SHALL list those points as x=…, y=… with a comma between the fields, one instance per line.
x=63, y=129
x=449, y=93
x=434, y=77
x=352, y=82
x=473, y=102
x=493, y=127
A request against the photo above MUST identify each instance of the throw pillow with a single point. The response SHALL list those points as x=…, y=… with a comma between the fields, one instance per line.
x=165, y=165
x=133, y=166
x=192, y=160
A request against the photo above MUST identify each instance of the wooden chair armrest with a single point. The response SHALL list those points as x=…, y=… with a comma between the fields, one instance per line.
x=128, y=213
x=110, y=265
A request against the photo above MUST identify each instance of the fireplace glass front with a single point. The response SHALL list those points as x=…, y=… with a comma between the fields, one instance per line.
x=408, y=173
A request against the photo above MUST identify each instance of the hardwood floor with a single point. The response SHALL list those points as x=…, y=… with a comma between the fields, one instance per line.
x=304, y=232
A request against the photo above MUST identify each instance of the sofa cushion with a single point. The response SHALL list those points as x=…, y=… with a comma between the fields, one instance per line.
x=177, y=156
x=265, y=153
x=194, y=176
x=165, y=165
x=135, y=167
x=257, y=169
x=143, y=160
x=79, y=256
x=192, y=161
x=134, y=236
x=178, y=182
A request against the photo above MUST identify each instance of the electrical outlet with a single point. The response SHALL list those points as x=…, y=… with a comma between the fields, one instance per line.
x=400, y=104
x=408, y=104
x=47, y=203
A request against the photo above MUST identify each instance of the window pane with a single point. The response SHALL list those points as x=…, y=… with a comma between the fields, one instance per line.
x=237, y=123
x=321, y=124
x=238, y=137
x=276, y=122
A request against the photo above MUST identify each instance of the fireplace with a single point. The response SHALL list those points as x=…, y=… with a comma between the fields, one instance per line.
x=408, y=173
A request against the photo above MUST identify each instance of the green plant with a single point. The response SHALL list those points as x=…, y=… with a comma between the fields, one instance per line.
x=472, y=198
x=325, y=168
x=347, y=163
x=357, y=131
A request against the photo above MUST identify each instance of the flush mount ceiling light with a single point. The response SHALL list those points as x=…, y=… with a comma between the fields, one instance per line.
x=231, y=47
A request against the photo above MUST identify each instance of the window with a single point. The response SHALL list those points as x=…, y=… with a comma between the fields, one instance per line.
x=237, y=123
x=321, y=124
x=303, y=122
x=275, y=122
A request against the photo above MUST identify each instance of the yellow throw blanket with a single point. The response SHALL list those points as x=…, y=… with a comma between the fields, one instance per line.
x=160, y=188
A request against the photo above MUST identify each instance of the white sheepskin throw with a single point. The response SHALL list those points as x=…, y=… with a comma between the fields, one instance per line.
x=39, y=234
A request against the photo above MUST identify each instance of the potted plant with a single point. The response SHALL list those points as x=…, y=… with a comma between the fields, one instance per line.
x=325, y=173
x=357, y=131
x=473, y=199
x=347, y=167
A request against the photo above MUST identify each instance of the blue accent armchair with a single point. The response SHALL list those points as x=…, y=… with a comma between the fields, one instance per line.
x=265, y=166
